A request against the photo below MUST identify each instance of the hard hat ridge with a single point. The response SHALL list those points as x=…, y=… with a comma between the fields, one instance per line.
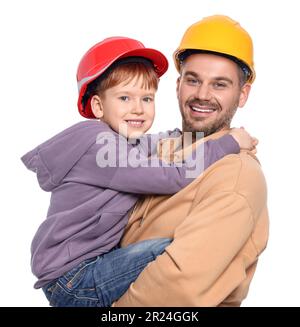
x=103, y=55
x=220, y=35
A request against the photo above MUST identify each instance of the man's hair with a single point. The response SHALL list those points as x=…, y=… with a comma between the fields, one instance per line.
x=243, y=70
x=123, y=70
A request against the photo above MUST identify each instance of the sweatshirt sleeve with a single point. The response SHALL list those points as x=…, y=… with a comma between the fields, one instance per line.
x=197, y=269
x=132, y=172
x=54, y=159
x=148, y=142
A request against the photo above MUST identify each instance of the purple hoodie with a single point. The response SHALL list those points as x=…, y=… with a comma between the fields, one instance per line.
x=89, y=205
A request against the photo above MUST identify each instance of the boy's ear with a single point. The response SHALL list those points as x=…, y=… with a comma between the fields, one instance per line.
x=96, y=106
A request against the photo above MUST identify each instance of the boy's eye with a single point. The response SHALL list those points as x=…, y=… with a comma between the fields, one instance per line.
x=148, y=99
x=124, y=98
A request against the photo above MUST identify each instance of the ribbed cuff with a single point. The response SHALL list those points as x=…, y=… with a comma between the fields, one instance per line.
x=229, y=144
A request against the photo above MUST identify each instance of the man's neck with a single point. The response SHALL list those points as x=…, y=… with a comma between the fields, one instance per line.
x=196, y=136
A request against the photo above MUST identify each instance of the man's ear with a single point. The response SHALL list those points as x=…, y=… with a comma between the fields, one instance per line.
x=244, y=94
x=96, y=106
x=177, y=86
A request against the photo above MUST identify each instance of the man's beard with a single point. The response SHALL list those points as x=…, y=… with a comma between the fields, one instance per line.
x=208, y=128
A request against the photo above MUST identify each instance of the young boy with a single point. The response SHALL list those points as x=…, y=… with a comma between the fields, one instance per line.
x=74, y=252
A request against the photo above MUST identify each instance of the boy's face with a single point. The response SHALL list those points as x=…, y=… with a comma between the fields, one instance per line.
x=128, y=108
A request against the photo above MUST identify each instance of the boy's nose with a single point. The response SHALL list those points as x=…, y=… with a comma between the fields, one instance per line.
x=137, y=108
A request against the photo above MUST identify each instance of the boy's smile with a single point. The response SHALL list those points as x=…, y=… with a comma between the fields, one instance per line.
x=128, y=108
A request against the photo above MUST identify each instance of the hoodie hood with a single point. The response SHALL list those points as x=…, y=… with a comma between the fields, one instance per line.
x=53, y=159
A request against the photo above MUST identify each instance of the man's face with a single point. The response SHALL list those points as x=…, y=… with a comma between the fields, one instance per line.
x=209, y=93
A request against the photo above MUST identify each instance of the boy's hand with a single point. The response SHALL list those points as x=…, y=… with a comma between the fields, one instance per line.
x=244, y=139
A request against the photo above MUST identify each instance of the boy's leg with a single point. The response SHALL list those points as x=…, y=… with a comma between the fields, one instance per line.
x=116, y=270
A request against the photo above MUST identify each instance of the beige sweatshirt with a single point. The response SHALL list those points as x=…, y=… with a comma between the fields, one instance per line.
x=219, y=226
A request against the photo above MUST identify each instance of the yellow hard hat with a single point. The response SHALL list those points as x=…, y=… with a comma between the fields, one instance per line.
x=219, y=34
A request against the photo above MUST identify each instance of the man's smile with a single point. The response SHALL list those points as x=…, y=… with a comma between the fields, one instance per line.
x=198, y=110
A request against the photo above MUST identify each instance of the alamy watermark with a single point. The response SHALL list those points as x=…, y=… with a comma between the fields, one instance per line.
x=151, y=151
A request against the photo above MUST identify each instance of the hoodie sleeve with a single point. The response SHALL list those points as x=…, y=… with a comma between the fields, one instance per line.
x=148, y=142
x=127, y=170
x=54, y=159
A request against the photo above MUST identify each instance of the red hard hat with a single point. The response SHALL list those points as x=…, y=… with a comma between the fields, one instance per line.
x=103, y=54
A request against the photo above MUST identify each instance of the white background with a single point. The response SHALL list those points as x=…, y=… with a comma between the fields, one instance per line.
x=41, y=45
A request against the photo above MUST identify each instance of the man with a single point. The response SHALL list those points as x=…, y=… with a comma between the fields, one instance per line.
x=219, y=223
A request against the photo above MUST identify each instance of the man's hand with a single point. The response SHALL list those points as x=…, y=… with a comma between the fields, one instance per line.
x=244, y=139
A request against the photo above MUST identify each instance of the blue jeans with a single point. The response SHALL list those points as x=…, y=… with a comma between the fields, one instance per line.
x=99, y=281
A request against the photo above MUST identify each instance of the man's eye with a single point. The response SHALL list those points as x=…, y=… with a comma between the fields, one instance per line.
x=220, y=85
x=192, y=81
x=124, y=98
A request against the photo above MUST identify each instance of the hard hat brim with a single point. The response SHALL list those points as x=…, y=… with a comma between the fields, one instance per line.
x=159, y=61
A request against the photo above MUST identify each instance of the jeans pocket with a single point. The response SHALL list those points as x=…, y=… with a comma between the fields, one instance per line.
x=55, y=294
x=74, y=277
x=48, y=289
x=76, y=288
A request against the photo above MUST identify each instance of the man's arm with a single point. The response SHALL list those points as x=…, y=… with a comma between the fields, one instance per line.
x=201, y=267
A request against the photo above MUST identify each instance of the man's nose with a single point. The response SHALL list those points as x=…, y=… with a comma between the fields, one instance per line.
x=204, y=92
